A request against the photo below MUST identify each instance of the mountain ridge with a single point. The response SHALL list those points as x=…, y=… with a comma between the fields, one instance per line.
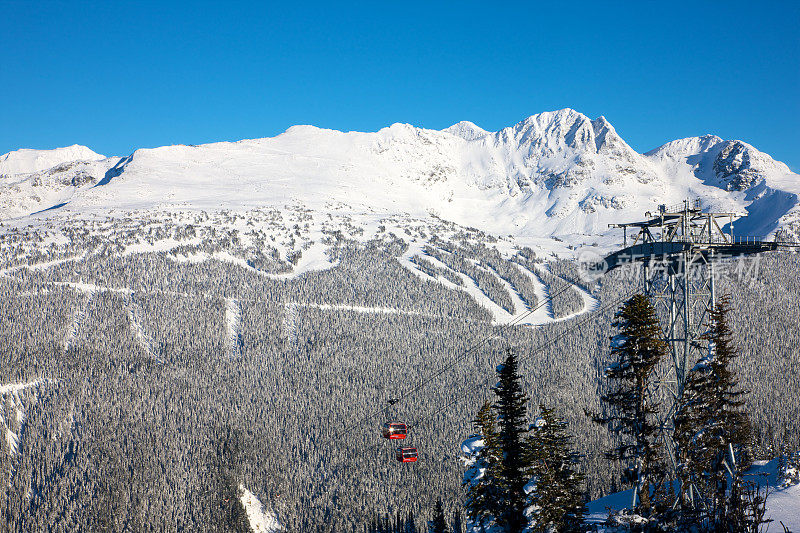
x=556, y=173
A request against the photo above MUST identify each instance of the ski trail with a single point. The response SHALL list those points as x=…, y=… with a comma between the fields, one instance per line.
x=233, y=318
x=544, y=315
x=15, y=388
x=542, y=291
x=77, y=321
x=136, y=328
x=41, y=266
x=11, y=396
x=520, y=306
x=499, y=315
x=91, y=288
x=470, y=286
x=436, y=262
x=590, y=303
x=405, y=261
x=291, y=317
x=544, y=309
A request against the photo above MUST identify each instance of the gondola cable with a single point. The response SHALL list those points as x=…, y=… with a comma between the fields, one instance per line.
x=521, y=357
x=427, y=380
x=483, y=382
x=350, y=463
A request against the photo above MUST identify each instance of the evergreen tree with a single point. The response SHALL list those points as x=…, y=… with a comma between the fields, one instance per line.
x=557, y=497
x=712, y=431
x=513, y=471
x=411, y=525
x=439, y=522
x=631, y=411
x=481, y=480
x=456, y=525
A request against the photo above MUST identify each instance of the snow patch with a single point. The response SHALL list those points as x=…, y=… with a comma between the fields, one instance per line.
x=233, y=317
x=783, y=504
x=261, y=519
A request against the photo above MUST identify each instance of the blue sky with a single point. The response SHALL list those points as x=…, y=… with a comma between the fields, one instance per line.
x=117, y=76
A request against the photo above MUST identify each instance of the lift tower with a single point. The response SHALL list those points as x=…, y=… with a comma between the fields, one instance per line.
x=678, y=248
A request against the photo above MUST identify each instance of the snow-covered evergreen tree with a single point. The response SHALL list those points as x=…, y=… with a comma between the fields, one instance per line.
x=439, y=522
x=481, y=481
x=555, y=494
x=631, y=412
x=789, y=470
x=712, y=429
x=514, y=467
x=517, y=482
x=498, y=459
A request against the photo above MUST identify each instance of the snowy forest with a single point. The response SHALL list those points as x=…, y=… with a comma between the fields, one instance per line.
x=157, y=373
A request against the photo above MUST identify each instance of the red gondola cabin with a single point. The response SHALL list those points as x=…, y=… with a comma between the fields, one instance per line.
x=407, y=455
x=394, y=430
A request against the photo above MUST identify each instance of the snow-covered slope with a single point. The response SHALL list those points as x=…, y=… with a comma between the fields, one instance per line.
x=783, y=503
x=261, y=520
x=747, y=179
x=25, y=161
x=553, y=174
x=34, y=180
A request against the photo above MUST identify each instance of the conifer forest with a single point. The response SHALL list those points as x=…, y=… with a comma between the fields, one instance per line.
x=154, y=370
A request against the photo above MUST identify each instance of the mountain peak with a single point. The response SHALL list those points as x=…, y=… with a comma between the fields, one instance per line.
x=466, y=130
x=552, y=173
x=27, y=160
x=559, y=116
x=687, y=145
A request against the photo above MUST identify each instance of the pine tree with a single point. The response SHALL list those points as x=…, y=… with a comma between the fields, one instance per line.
x=631, y=411
x=557, y=496
x=712, y=430
x=439, y=523
x=481, y=480
x=513, y=471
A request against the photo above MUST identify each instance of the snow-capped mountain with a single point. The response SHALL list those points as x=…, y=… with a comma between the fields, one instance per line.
x=765, y=188
x=26, y=161
x=553, y=174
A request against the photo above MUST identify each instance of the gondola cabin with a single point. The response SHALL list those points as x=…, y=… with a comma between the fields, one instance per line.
x=394, y=430
x=407, y=455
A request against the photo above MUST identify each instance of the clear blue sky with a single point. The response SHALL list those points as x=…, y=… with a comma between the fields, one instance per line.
x=117, y=76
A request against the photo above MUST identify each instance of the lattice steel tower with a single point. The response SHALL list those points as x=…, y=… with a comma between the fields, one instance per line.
x=679, y=248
